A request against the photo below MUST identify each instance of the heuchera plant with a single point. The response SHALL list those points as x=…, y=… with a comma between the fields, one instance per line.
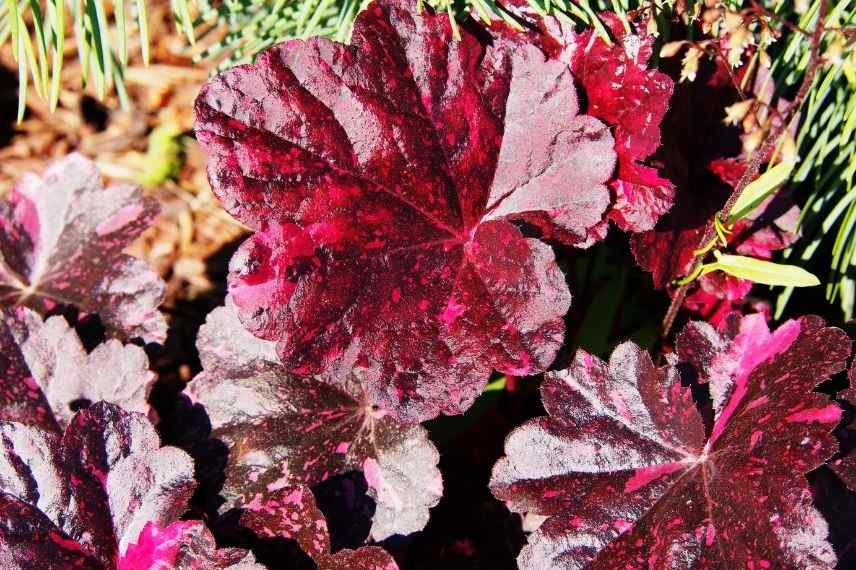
x=283, y=430
x=45, y=373
x=77, y=499
x=624, y=93
x=384, y=179
x=104, y=494
x=61, y=243
x=401, y=191
x=629, y=475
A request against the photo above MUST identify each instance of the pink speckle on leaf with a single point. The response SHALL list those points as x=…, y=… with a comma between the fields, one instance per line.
x=120, y=219
x=645, y=475
x=827, y=414
x=678, y=482
x=452, y=311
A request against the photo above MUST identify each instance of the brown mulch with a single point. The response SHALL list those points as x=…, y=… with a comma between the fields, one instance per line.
x=192, y=226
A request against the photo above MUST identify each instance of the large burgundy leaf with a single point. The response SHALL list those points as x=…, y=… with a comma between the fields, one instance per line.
x=61, y=242
x=45, y=373
x=623, y=470
x=382, y=178
x=291, y=512
x=281, y=430
x=85, y=495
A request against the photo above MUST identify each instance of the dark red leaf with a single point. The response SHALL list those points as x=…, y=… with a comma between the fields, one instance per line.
x=845, y=468
x=28, y=539
x=61, y=242
x=716, y=296
x=382, y=178
x=622, y=92
x=284, y=430
x=45, y=371
x=291, y=512
x=623, y=470
x=89, y=492
x=849, y=393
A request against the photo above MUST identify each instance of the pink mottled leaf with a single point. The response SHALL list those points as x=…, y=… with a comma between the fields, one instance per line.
x=622, y=92
x=183, y=545
x=284, y=430
x=291, y=512
x=61, y=242
x=46, y=374
x=623, y=469
x=88, y=493
x=383, y=179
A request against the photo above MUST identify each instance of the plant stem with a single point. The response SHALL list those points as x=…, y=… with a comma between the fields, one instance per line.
x=759, y=157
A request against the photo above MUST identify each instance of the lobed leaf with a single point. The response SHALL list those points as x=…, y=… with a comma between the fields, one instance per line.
x=46, y=375
x=79, y=498
x=61, y=242
x=618, y=84
x=284, y=430
x=627, y=477
x=383, y=179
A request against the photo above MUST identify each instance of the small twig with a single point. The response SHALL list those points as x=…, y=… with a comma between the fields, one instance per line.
x=717, y=49
x=758, y=158
x=759, y=11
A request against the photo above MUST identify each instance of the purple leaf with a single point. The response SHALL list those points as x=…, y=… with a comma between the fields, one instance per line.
x=61, y=242
x=291, y=512
x=382, y=179
x=88, y=492
x=45, y=371
x=284, y=430
x=622, y=467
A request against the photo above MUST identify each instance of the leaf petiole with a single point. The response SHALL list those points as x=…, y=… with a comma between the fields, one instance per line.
x=693, y=275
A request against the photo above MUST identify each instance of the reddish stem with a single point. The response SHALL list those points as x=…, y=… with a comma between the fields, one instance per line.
x=759, y=157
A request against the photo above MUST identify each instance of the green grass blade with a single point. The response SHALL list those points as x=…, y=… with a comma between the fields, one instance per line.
x=143, y=25
x=56, y=11
x=121, y=31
